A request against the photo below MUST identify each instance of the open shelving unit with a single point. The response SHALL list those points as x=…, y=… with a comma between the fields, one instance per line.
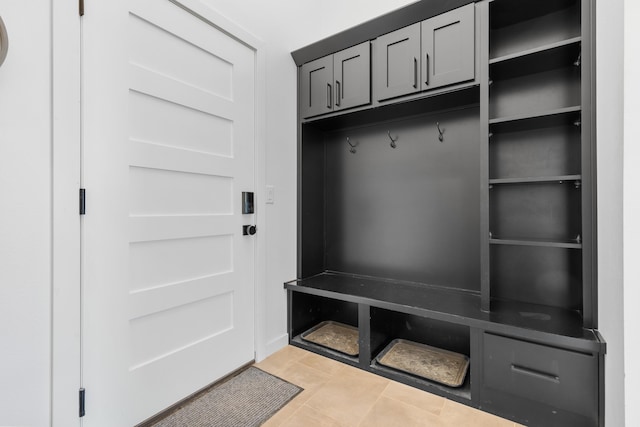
x=537, y=153
x=463, y=219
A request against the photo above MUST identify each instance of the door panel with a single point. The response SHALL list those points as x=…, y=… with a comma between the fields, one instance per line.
x=178, y=127
x=448, y=48
x=352, y=74
x=397, y=63
x=316, y=87
x=169, y=280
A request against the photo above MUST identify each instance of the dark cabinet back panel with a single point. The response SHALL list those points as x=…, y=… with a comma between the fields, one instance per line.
x=535, y=93
x=409, y=213
x=308, y=311
x=550, y=151
x=387, y=326
x=537, y=275
x=540, y=211
x=311, y=203
x=533, y=31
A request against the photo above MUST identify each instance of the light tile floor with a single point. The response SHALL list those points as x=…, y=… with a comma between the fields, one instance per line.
x=338, y=395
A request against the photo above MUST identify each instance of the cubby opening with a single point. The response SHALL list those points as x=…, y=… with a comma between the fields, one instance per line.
x=550, y=276
x=309, y=311
x=387, y=327
x=545, y=58
x=539, y=152
x=536, y=93
x=541, y=211
x=409, y=213
x=535, y=58
x=530, y=24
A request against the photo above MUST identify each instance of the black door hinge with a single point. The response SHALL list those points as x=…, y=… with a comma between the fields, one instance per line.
x=81, y=403
x=83, y=201
x=81, y=7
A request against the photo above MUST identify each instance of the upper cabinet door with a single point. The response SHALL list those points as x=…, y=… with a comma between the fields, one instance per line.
x=448, y=48
x=352, y=74
x=316, y=87
x=397, y=63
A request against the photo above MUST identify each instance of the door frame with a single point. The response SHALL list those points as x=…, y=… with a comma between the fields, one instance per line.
x=66, y=355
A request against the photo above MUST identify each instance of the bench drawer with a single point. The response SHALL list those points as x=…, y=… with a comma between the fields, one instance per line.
x=559, y=378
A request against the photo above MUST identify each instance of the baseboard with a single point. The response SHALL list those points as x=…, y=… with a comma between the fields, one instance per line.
x=272, y=346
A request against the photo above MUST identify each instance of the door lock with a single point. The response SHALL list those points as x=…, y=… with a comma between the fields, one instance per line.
x=249, y=230
x=247, y=202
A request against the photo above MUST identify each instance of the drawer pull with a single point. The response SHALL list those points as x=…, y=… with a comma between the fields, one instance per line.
x=537, y=374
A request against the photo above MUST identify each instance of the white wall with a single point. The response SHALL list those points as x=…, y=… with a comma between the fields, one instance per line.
x=284, y=26
x=631, y=210
x=610, y=89
x=25, y=215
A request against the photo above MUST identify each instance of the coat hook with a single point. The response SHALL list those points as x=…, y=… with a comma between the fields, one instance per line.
x=352, y=147
x=440, y=131
x=393, y=141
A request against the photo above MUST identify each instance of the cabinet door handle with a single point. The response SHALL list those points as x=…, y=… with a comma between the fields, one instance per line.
x=338, y=94
x=535, y=374
x=329, y=93
x=427, y=67
x=415, y=73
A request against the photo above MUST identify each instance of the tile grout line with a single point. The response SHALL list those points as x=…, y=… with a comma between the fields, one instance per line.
x=314, y=369
x=376, y=402
x=444, y=400
x=372, y=406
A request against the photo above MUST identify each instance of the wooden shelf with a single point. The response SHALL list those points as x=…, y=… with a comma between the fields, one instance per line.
x=551, y=324
x=536, y=179
x=537, y=50
x=569, y=244
x=543, y=58
x=559, y=116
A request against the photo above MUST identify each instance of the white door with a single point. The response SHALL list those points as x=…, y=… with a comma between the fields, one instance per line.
x=168, y=149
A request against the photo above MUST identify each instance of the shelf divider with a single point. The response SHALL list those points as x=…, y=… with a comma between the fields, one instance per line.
x=536, y=179
x=541, y=114
x=569, y=244
x=539, y=119
x=536, y=50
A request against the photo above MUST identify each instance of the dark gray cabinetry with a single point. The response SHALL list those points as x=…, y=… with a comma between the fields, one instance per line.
x=539, y=379
x=461, y=218
x=352, y=75
x=540, y=164
x=336, y=82
x=448, y=48
x=316, y=87
x=397, y=63
x=436, y=52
